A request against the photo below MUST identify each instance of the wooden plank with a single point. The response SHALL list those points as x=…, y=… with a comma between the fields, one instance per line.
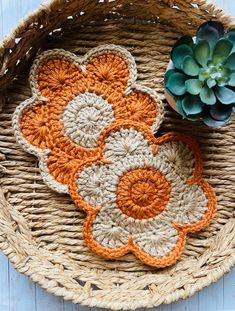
x=69, y=306
x=46, y=301
x=81, y=308
x=4, y=283
x=229, y=291
x=189, y=304
x=22, y=292
x=211, y=298
x=29, y=5
x=9, y=17
x=167, y=307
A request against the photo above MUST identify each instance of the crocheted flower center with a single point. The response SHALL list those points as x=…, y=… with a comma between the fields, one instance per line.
x=143, y=193
x=85, y=117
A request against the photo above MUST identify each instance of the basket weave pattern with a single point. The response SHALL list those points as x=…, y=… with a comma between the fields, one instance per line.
x=40, y=231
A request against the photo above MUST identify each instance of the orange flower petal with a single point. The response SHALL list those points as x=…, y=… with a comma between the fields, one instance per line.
x=60, y=78
x=107, y=72
x=34, y=126
x=138, y=106
x=62, y=166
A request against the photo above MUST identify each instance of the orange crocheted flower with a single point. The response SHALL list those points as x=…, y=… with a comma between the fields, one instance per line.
x=74, y=100
x=143, y=195
x=91, y=126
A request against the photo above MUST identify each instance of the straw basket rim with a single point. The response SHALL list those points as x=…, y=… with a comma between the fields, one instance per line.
x=43, y=265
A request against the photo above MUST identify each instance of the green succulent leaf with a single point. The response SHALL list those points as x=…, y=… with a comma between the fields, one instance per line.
x=190, y=67
x=221, y=51
x=194, y=117
x=216, y=25
x=202, y=53
x=203, y=75
x=192, y=105
x=188, y=40
x=179, y=53
x=166, y=78
x=179, y=108
x=230, y=62
x=231, y=81
x=222, y=81
x=168, y=74
x=209, y=121
x=194, y=86
x=211, y=83
x=233, y=108
x=231, y=36
x=207, y=96
x=169, y=92
x=176, y=84
x=221, y=112
x=210, y=32
x=181, y=111
x=225, y=95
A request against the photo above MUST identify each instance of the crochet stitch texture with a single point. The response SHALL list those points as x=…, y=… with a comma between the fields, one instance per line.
x=91, y=126
x=74, y=98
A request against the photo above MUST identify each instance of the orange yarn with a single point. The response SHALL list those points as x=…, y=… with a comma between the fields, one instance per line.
x=107, y=72
x=34, y=126
x=163, y=262
x=143, y=193
x=60, y=80
x=91, y=106
x=155, y=195
x=137, y=106
x=62, y=165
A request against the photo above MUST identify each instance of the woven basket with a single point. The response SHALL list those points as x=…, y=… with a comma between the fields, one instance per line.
x=40, y=230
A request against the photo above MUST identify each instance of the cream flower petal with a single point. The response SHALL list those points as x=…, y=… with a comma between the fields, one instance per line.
x=134, y=226
x=124, y=143
x=148, y=204
x=158, y=242
x=188, y=203
x=107, y=233
x=177, y=157
x=155, y=237
x=93, y=184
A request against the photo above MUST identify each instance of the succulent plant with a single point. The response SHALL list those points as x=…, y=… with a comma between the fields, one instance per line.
x=202, y=77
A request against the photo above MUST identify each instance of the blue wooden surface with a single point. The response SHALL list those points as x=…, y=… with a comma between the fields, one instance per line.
x=19, y=293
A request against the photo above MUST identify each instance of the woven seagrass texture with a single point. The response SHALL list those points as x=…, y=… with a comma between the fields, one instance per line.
x=40, y=230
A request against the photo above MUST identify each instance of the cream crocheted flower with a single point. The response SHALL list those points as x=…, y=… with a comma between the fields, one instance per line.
x=73, y=100
x=91, y=126
x=143, y=195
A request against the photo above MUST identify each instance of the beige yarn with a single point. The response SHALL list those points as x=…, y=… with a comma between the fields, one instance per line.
x=40, y=231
